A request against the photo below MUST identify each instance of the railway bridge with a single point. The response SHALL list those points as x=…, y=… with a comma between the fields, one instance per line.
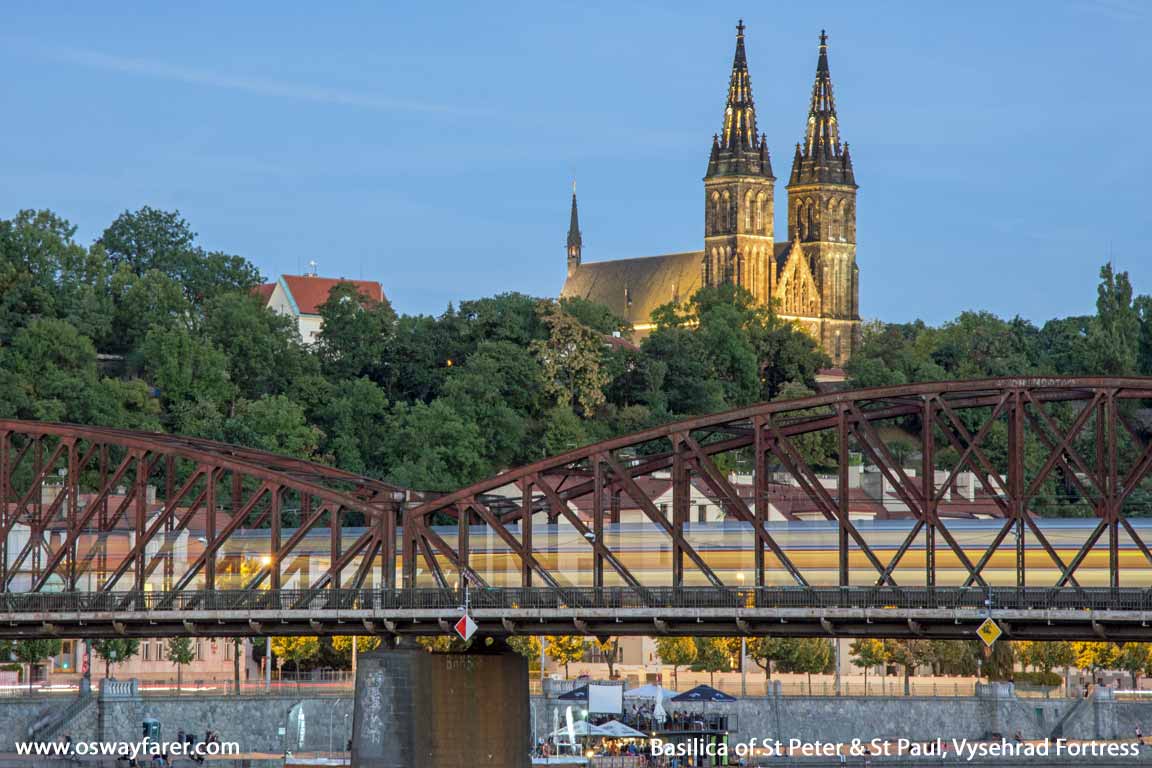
x=908, y=511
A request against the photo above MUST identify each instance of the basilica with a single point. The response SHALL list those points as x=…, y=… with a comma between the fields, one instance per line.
x=811, y=277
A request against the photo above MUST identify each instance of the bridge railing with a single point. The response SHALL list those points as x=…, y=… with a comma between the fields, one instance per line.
x=608, y=598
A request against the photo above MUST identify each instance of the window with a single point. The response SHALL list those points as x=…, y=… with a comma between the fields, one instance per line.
x=146, y=650
x=702, y=513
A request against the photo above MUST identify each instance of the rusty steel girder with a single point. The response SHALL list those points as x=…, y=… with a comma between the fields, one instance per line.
x=102, y=510
x=1044, y=427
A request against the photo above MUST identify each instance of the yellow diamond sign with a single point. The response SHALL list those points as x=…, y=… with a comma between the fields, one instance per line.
x=989, y=632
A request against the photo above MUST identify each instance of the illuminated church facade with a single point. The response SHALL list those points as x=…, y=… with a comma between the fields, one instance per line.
x=811, y=277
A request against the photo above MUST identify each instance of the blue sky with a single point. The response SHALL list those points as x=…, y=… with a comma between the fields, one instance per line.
x=1002, y=149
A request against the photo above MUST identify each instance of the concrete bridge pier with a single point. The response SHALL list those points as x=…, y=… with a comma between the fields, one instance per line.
x=451, y=710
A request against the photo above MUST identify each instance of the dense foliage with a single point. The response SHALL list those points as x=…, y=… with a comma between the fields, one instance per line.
x=145, y=329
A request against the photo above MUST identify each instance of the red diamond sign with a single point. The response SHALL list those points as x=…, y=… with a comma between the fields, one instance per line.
x=465, y=627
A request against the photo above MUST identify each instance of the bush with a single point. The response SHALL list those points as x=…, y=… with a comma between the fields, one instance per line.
x=1042, y=679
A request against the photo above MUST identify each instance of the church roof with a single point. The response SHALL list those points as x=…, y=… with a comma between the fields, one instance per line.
x=632, y=288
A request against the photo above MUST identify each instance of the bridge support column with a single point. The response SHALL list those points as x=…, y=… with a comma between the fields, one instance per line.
x=453, y=710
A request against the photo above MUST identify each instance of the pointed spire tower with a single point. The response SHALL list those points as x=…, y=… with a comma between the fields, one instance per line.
x=738, y=190
x=822, y=214
x=575, y=241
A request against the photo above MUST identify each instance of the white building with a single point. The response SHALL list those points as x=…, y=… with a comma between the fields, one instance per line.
x=301, y=296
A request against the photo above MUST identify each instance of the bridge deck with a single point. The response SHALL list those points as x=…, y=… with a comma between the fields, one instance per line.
x=1120, y=614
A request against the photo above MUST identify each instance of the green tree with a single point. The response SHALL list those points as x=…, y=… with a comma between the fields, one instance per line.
x=355, y=335
x=433, y=447
x=184, y=367
x=868, y=653
x=609, y=647
x=181, y=651
x=808, y=656
x=713, y=654
x=953, y=657
x=564, y=649
x=1045, y=655
x=570, y=359
x=1000, y=662
x=1115, y=336
x=342, y=645
x=296, y=649
x=529, y=647
x=764, y=651
x=32, y=652
x=265, y=355
x=1134, y=658
x=909, y=654
x=273, y=423
x=677, y=652
x=115, y=651
x=150, y=240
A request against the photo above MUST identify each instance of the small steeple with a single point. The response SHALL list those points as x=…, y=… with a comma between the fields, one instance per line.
x=739, y=148
x=820, y=157
x=575, y=241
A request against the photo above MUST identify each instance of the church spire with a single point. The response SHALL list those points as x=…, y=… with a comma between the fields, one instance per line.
x=821, y=157
x=575, y=241
x=739, y=149
x=739, y=112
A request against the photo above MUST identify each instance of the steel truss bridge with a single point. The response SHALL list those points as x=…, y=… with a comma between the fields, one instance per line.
x=911, y=511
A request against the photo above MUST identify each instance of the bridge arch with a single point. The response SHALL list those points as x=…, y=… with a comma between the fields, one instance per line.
x=919, y=484
x=92, y=509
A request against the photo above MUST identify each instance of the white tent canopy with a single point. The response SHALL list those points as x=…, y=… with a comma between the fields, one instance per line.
x=580, y=728
x=650, y=691
x=618, y=730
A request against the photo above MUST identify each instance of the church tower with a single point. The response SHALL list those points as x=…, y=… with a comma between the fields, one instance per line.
x=822, y=215
x=738, y=188
x=575, y=242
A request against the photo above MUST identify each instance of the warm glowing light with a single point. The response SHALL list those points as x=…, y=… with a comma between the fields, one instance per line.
x=448, y=362
x=266, y=560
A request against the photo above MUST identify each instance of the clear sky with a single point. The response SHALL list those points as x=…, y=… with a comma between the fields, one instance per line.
x=1002, y=148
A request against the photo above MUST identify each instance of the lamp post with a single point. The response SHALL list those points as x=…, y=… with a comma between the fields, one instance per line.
x=743, y=648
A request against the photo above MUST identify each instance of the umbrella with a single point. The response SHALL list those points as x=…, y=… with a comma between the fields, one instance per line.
x=576, y=694
x=618, y=730
x=650, y=691
x=581, y=728
x=658, y=713
x=704, y=693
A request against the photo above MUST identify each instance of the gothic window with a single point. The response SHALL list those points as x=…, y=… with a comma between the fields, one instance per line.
x=834, y=223
x=761, y=214
x=749, y=220
x=812, y=217
x=725, y=210
x=714, y=214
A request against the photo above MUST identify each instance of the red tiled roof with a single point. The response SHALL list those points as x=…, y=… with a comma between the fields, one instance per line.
x=264, y=291
x=310, y=292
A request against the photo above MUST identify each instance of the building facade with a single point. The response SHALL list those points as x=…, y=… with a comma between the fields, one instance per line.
x=810, y=278
x=301, y=296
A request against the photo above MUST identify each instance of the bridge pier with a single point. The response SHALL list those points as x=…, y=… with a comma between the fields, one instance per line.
x=451, y=710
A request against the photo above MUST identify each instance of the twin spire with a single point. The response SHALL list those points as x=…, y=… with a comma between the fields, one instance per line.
x=739, y=149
